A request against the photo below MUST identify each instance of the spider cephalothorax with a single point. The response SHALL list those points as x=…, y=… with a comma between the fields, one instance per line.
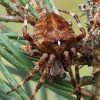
x=50, y=34
x=55, y=40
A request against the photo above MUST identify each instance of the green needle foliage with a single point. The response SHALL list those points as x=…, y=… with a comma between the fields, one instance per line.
x=31, y=9
x=23, y=62
x=13, y=53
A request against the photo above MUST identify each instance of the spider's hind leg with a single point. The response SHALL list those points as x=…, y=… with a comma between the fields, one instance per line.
x=67, y=62
x=75, y=58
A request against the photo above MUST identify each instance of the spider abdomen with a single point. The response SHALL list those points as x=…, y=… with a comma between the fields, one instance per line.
x=53, y=34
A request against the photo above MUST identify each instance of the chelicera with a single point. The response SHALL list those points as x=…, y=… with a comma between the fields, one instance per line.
x=55, y=39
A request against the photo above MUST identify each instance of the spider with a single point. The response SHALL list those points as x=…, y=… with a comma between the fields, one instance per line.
x=55, y=39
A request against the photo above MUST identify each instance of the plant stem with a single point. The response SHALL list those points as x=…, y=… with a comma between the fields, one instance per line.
x=50, y=6
x=31, y=9
x=96, y=95
x=9, y=5
x=11, y=19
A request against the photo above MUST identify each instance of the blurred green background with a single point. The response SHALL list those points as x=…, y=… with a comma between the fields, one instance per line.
x=69, y=5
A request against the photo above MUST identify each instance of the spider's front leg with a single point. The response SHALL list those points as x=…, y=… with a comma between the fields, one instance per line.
x=45, y=73
x=75, y=16
x=41, y=62
x=26, y=35
x=75, y=58
x=67, y=63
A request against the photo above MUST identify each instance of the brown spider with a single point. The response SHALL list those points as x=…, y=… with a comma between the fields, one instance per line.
x=55, y=40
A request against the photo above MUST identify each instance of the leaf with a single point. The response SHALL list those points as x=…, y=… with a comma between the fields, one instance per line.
x=4, y=88
x=23, y=62
x=12, y=81
x=31, y=9
x=62, y=93
x=16, y=52
x=10, y=49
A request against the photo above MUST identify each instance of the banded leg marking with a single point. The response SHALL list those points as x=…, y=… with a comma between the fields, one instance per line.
x=75, y=58
x=26, y=35
x=67, y=62
x=45, y=73
x=75, y=16
x=41, y=62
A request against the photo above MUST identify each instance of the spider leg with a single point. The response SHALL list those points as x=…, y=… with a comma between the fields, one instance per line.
x=75, y=57
x=45, y=73
x=75, y=16
x=27, y=36
x=41, y=62
x=67, y=62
